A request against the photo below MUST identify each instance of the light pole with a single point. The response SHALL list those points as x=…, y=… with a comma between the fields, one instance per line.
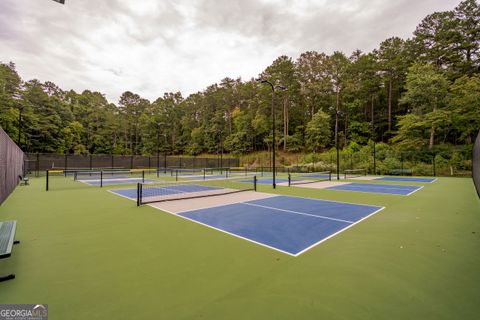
x=280, y=87
x=221, y=149
x=374, y=151
x=337, y=113
x=17, y=99
x=158, y=145
x=165, y=154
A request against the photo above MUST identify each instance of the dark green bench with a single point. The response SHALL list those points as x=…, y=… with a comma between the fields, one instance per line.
x=7, y=235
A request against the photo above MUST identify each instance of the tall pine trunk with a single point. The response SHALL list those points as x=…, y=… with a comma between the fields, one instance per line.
x=432, y=130
x=390, y=105
x=285, y=124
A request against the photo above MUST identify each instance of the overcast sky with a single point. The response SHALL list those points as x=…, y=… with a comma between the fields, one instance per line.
x=154, y=46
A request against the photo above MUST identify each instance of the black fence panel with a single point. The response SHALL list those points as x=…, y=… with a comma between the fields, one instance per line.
x=476, y=164
x=11, y=165
x=39, y=162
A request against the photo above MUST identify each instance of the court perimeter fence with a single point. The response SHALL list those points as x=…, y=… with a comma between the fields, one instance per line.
x=451, y=162
x=476, y=163
x=11, y=165
x=37, y=163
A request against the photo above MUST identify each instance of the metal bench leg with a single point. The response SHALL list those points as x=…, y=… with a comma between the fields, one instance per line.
x=7, y=277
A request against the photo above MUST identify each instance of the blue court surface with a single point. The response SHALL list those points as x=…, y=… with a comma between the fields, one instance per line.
x=377, y=188
x=406, y=179
x=313, y=176
x=202, y=177
x=150, y=191
x=267, y=180
x=116, y=180
x=287, y=224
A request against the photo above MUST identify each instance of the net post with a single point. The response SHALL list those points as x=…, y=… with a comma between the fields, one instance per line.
x=143, y=176
x=75, y=176
x=176, y=175
x=204, y=173
x=37, y=165
x=139, y=194
x=65, y=165
x=101, y=178
x=289, y=179
x=47, y=178
x=255, y=183
x=226, y=172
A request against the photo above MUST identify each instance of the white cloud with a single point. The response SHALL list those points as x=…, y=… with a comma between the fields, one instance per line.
x=151, y=47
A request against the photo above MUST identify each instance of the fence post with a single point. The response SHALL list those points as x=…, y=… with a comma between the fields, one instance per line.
x=91, y=162
x=112, y=163
x=65, y=167
x=37, y=166
x=131, y=161
x=401, y=164
x=434, y=169
x=139, y=194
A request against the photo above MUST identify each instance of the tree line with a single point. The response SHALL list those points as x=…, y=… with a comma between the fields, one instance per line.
x=418, y=93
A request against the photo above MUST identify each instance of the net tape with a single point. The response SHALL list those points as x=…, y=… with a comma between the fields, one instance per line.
x=169, y=191
x=306, y=178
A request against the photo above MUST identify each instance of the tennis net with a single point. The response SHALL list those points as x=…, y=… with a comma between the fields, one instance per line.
x=110, y=176
x=107, y=174
x=305, y=178
x=355, y=173
x=216, y=171
x=181, y=190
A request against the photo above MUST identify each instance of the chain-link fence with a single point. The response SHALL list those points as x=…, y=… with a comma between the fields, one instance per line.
x=476, y=163
x=11, y=165
x=38, y=162
x=382, y=159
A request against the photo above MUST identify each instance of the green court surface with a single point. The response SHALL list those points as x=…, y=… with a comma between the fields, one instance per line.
x=90, y=254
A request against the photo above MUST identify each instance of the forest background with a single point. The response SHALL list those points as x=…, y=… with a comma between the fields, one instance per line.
x=407, y=103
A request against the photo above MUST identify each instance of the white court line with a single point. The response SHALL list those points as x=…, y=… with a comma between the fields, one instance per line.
x=268, y=195
x=121, y=195
x=334, y=201
x=384, y=193
x=296, y=212
x=381, y=186
x=339, y=231
x=421, y=187
x=178, y=214
x=226, y=232
x=379, y=179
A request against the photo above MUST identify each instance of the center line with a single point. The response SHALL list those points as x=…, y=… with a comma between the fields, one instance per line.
x=296, y=212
